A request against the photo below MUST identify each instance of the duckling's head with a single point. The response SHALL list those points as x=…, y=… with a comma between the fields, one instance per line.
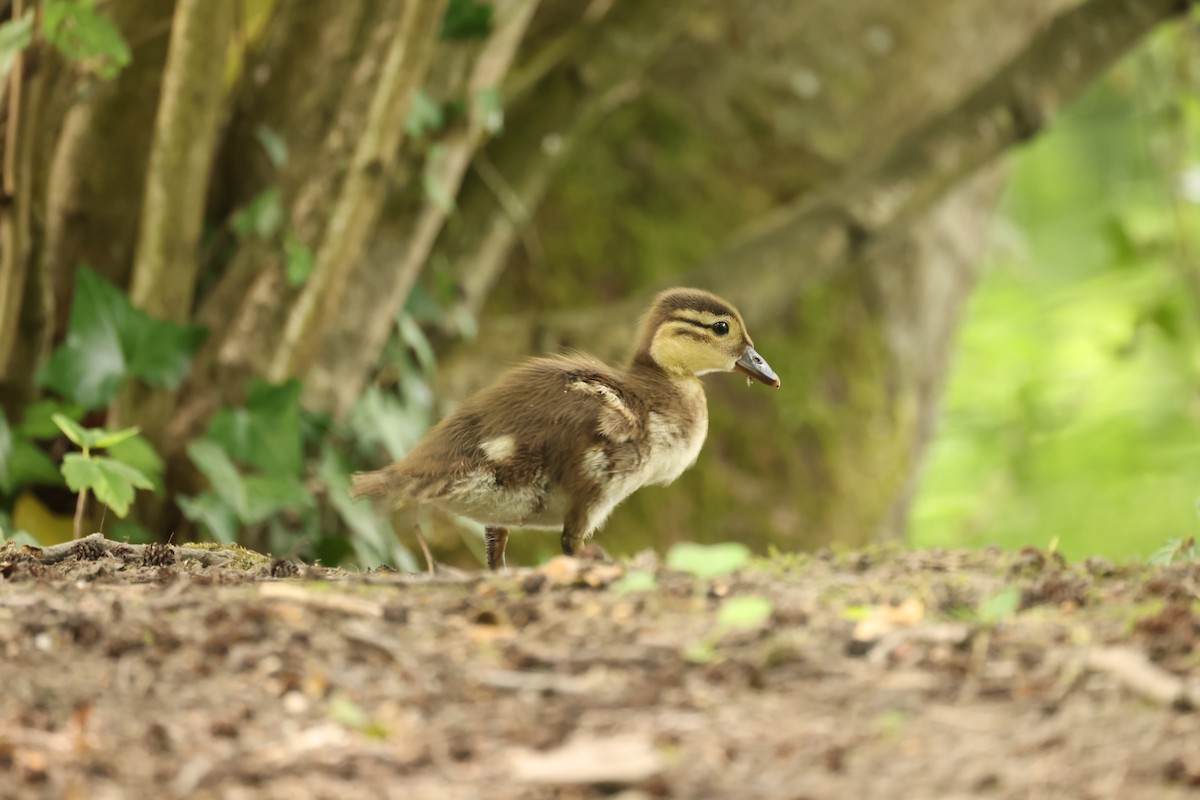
x=692, y=332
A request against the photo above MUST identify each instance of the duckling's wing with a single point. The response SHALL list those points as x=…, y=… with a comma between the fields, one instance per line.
x=617, y=417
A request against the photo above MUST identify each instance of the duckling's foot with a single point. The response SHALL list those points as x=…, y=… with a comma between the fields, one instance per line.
x=495, y=540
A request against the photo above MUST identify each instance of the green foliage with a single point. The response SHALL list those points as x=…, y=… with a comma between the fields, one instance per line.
x=1071, y=409
x=425, y=116
x=1000, y=607
x=110, y=341
x=265, y=438
x=297, y=259
x=112, y=481
x=1180, y=550
x=490, y=103
x=15, y=36
x=745, y=612
x=708, y=561
x=635, y=582
x=263, y=216
x=84, y=35
x=21, y=461
x=273, y=145
x=467, y=19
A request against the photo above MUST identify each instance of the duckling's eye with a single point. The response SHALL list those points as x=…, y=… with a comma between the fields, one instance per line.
x=720, y=328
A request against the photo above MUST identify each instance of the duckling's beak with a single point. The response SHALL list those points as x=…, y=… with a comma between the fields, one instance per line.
x=756, y=367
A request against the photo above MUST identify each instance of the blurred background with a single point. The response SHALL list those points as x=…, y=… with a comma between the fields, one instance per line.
x=281, y=238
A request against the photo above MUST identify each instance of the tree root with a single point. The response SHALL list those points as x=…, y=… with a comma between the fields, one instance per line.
x=96, y=546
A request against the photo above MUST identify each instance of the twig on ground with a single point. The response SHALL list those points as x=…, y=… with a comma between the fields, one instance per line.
x=61, y=552
x=1135, y=671
x=340, y=603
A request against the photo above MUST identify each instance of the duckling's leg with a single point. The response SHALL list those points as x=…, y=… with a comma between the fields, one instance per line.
x=574, y=533
x=496, y=539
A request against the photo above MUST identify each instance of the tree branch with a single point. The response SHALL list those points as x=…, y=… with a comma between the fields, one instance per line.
x=177, y=177
x=362, y=192
x=13, y=217
x=768, y=266
x=379, y=287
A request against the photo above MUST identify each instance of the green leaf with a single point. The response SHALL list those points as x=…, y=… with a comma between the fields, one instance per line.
x=85, y=36
x=266, y=434
x=15, y=36
x=708, y=561
x=371, y=533
x=412, y=335
x=273, y=145
x=745, y=612
x=213, y=513
x=160, y=353
x=424, y=116
x=298, y=259
x=140, y=454
x=222, y=474
x=91, y=438
x=109, y=341
x=72, y=430
x=701, y=653
x=345, y=711
x=490, y=104
x=636, y=581
x=262, y=217
x=37, y=421
x=102, y=438
x=21, y=461
x=267, y=495
x=1000, y=606
x=466, y=19
x=112, y=482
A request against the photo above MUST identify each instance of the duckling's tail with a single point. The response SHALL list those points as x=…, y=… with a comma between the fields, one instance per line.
x=379, y=482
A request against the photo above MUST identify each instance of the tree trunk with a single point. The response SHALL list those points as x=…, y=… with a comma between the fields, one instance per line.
x=180, y=164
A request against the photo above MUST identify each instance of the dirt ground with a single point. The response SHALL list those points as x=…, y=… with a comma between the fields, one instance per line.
x=137, y=673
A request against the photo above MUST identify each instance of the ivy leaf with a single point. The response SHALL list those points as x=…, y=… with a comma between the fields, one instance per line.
x=109, y=341
x=261, y=217
x=38, y=422
x=85, y=36
x=297, y=259
x=160, y=353
x=424, y=115
x=222, y=474
x=466, y=19
x=112, y=482
x=267, y=495
x=213, y=513
x=273, y=145
x=708, y=561
x=21, y=462
x=266, y=433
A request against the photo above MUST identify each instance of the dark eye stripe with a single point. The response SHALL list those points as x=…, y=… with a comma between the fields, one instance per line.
x=696, y=322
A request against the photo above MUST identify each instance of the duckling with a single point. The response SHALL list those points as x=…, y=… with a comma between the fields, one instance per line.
x=558, y=442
